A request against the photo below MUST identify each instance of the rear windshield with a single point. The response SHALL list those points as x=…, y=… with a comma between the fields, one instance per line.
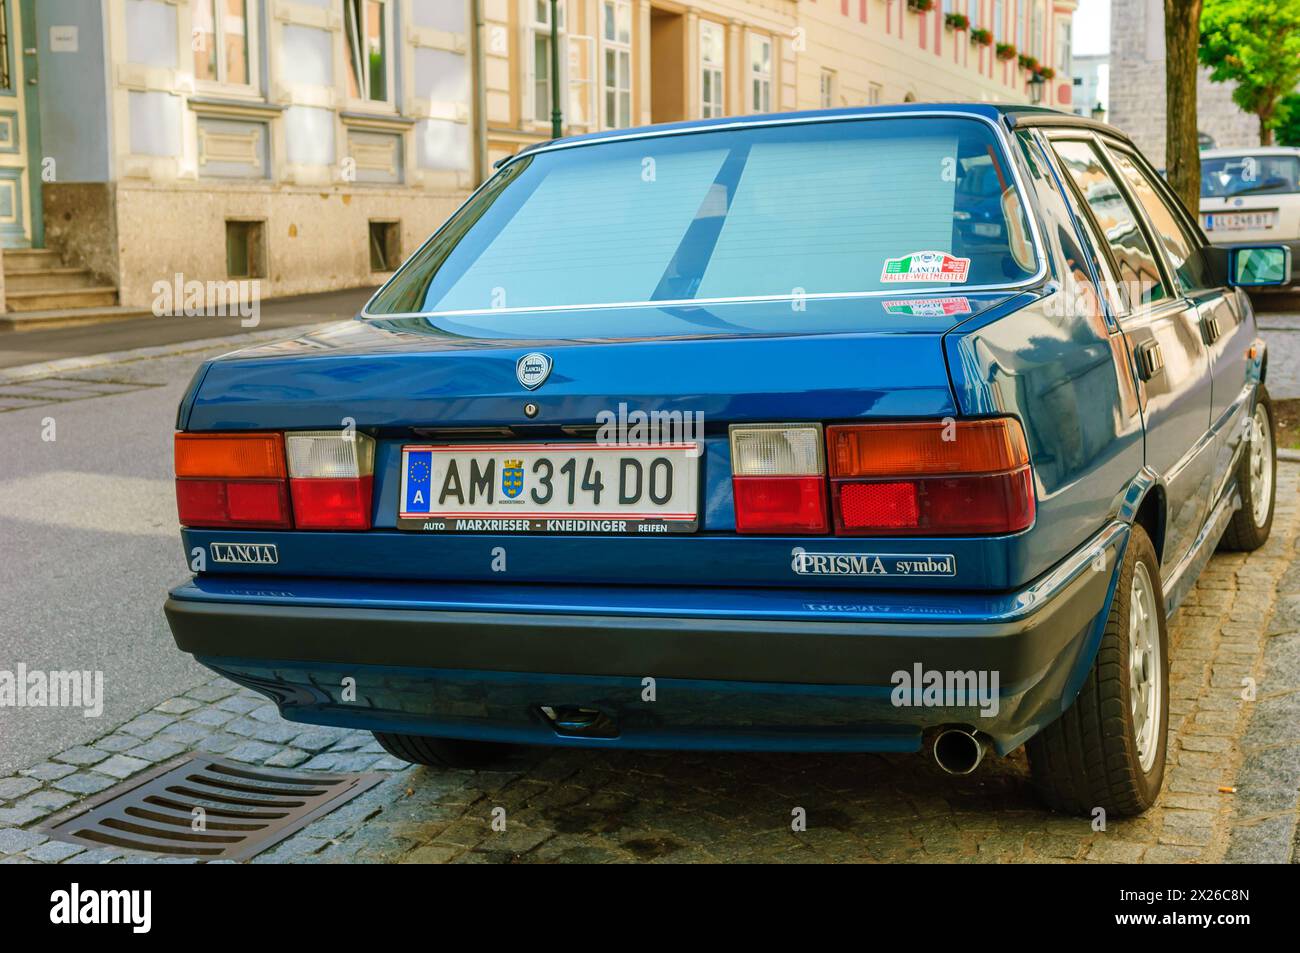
x=821, y=208
x=1242, y=175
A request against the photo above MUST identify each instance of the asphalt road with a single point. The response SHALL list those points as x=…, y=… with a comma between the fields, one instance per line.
x=88, y=540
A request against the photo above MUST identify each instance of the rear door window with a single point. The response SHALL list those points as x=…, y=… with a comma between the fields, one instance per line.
x=1189, y=269
x=1137, y=266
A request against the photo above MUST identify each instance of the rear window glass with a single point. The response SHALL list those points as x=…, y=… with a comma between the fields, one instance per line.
x=1243, y=175
x=788, y=210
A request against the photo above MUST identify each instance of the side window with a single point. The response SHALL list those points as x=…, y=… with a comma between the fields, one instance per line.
x=1118, y=304
x=1189, y=269
x=1073, y=254
x=1118, y=221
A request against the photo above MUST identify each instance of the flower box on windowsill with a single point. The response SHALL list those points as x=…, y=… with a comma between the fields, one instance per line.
x=1028, y=63
x=981, y=37
x=1005, y=51
x=956, y=21
x=920, y=6
x=1046, y=72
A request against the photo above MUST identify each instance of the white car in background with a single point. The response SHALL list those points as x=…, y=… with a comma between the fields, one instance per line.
x=1252, y=195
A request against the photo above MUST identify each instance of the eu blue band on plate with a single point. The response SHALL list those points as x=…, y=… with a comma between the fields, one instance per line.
x=419, y=465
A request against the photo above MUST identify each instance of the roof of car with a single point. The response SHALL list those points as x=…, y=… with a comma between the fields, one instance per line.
x=1012, y=114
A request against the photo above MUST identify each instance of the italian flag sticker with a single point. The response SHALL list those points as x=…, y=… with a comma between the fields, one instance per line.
x=926, y=266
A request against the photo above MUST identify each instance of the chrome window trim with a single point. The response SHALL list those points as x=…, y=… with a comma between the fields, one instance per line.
x=999, y=134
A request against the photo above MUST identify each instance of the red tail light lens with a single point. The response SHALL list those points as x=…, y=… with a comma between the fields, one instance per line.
x=332, y=504
x=231, y=480
x=878, y=504
x=930, y=478
x=233, y=503
x=780, y=504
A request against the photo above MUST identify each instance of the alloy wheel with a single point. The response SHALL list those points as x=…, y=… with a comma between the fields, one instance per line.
x=1145, y=669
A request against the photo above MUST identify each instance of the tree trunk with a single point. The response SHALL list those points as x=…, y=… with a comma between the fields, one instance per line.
x=1182, y=149
x=1265, y=132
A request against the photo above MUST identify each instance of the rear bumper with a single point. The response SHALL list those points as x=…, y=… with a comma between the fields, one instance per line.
x=731, y=668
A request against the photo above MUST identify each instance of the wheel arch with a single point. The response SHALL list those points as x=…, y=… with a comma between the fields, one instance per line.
x=1144, y=504
x=1150, y=515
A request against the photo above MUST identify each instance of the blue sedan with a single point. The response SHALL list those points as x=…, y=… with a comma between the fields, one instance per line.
x=861, y=430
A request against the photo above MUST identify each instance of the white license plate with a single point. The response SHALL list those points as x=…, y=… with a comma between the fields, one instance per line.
x=550, y=488
x=1237, y=221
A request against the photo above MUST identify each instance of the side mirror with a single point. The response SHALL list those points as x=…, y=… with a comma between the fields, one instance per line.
x=1256, y=266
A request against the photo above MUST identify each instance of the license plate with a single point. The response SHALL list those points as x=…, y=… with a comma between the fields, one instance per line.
x=1238, y=221
x=550, y=488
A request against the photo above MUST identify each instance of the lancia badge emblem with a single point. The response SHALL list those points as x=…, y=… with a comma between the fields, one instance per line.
x=533, y=369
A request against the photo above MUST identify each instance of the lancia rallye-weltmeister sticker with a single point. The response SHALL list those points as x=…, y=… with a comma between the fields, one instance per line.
x=926, y=266
x=873, y=564
x=929, y=307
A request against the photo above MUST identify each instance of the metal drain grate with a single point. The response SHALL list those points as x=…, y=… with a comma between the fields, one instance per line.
x=245, y=809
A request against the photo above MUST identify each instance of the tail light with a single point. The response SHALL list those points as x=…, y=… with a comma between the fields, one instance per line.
x=778, y=478
x=331, y=478
x=930, y=478
x=246, y=480
x=234, y=480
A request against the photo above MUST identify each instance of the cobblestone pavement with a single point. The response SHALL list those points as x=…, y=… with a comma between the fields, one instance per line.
x=1230, y=789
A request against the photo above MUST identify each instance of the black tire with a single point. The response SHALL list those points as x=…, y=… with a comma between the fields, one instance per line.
x=443, y=752
x=1088, y=758
x=1244, y=531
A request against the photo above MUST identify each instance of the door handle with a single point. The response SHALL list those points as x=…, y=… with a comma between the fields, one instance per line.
x=1210, y=330
x=1150, y=359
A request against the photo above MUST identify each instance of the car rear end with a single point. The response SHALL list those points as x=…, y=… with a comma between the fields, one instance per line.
x=651, y=446
x=1252, y=196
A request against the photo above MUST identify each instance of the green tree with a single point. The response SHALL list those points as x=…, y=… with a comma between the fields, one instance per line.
x=1288, y=130
x=1255, y=44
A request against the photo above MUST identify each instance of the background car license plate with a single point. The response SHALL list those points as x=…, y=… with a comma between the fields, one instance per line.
x=550, y=488
x=1238, y=221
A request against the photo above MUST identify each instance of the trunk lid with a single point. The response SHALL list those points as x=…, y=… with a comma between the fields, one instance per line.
x=432, y=380
x=837, y=359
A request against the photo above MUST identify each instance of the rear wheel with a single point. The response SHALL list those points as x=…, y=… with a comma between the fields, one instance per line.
x=443, y=752
x=1257, y=480
x=1108, y=749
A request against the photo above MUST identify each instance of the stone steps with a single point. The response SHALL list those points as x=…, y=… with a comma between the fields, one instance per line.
x=38, y=283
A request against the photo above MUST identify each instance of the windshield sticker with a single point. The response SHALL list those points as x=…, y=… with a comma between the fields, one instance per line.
x=929, y=307
x=926, y=266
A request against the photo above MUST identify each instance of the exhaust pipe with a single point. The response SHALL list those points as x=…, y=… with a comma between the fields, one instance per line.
x=958, y=751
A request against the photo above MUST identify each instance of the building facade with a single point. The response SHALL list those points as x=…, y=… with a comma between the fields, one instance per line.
x=312, y=144
x=308, y=144
x=1137, y=85
x=1091, y=83
x=634, y=62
